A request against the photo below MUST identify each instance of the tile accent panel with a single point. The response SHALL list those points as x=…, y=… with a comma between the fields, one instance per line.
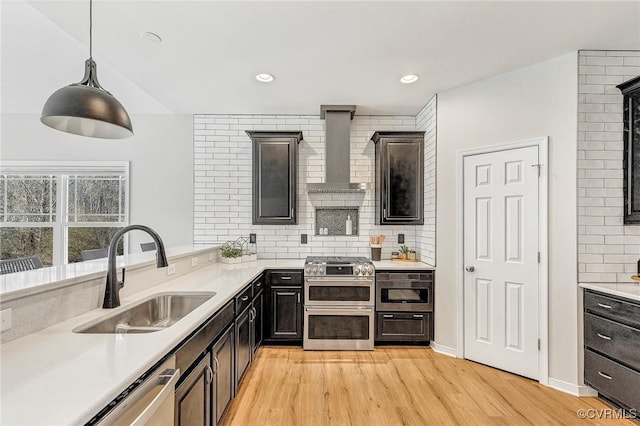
x=222, y=185
x=426, y=234
x=608, y=251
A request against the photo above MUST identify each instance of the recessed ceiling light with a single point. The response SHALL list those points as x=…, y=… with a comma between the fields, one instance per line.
x=150, y=37
x=409, y=78
x=265, y=78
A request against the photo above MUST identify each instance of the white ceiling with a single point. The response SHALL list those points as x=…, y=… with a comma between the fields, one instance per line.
x=320, y=52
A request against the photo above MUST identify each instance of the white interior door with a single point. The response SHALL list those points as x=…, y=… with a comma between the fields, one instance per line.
x=501, y=280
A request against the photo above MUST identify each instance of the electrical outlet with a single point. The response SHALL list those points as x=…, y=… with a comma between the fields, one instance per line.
x=400, y=238
x=171, y=269
x=212, y=257
x=303, y=238
x=252, y=238
x=194, y=262
x=5, y=320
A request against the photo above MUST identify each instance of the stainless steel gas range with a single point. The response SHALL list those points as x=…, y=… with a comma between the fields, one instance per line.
x=339, y=300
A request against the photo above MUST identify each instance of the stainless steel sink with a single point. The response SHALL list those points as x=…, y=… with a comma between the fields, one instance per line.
x=152, y=314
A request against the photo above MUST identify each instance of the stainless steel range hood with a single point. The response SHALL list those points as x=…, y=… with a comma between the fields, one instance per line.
x=337, y=151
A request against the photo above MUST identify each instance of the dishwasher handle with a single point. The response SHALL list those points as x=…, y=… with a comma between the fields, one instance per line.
x=167, y=379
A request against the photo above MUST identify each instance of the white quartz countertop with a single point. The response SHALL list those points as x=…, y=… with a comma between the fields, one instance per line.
x=630, y=290
x=57, y=377
x=386, y=265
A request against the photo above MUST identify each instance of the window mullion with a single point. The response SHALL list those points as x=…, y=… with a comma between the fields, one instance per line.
x=62, y=219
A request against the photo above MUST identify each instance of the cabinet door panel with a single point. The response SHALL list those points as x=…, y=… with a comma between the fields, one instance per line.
x=403, y=188
x=258, y=321
x=193, y=396
x=399, y=178
x=273, y=171
x=224, y=381
x=286, y=313
x=243, y=345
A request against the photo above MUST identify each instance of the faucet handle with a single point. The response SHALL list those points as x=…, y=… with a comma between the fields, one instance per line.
x=121, y=283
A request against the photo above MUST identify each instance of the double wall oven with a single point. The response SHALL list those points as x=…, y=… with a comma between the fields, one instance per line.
x=339, y=300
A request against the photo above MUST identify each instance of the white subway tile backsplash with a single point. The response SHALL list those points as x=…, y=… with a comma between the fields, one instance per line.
x=222, y=182
x=609, y=249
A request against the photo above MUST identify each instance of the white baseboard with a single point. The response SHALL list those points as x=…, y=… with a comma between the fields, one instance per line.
x=570, y=388
x=444, y=350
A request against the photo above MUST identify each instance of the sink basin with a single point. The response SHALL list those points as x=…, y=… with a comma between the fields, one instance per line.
x=152, y=314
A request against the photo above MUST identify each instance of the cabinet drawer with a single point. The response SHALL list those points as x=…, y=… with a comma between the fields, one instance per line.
x=611, y=379
x=285, y=278
x=196, y=344
x=625, y=312
x=613, y=339
x=258, y=285
x=403, y=326
x=243, y=299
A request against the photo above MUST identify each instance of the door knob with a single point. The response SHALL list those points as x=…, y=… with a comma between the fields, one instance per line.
x=469, y=268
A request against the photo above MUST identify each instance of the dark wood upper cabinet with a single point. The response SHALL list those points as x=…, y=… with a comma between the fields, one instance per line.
x=631, y=110
x=399, y=178
x=275, y=177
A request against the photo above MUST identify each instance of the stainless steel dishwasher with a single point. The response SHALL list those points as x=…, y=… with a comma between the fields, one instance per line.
x=149, y=401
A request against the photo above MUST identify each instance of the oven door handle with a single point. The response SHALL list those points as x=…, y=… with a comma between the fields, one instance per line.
x=337, y=282
x=364, y=310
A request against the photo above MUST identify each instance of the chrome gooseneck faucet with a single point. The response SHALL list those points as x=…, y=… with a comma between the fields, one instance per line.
x=112, y=291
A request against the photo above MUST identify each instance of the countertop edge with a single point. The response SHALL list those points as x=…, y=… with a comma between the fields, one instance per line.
x=628, y=290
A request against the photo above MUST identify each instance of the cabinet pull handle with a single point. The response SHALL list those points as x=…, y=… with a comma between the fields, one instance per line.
x=602, y=336
x=298, y=297
x=291, y=212
x=287, y=293
x=285, y=278
x=606, y=376
x=418, y=316
x=602, y=305
x=384, y=213
x=259, y=284
x=244, y=298
x=209, y=375
x=387, y=316
x=216, y=364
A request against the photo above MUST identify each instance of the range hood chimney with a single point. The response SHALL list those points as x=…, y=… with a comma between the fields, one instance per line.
x=337, y=150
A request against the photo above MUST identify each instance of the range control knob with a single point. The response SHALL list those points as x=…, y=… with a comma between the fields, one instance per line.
x=370, y=270
x=357, y=270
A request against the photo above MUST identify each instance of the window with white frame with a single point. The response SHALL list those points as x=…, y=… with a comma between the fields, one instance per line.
x=58, y=210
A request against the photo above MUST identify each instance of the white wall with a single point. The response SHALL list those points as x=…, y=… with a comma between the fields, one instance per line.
x=538, y=100
x=223, y=185
x=607, y=249
x=161, y=161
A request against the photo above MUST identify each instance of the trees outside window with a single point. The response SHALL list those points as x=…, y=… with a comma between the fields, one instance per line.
x=56, y=210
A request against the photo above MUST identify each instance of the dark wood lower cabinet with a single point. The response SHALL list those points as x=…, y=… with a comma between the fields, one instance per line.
x=612, y=343
x=193, y=395
x=222, y=361
x=404, y=327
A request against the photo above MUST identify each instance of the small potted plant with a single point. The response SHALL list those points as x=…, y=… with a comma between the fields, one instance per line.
x=405, y=252
x=231, y=255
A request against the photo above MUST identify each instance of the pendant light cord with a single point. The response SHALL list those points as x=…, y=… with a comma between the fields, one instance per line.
x=90, y=29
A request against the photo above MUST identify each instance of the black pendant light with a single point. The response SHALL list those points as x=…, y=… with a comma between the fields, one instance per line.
x=85, y=108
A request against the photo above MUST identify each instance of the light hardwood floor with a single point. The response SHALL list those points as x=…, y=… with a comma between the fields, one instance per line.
x=394, y=386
